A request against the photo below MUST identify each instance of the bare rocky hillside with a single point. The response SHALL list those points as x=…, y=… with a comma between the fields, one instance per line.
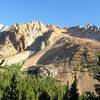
x=54, y=51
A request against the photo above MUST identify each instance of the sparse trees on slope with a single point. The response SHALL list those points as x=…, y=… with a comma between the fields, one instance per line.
x=11, y=92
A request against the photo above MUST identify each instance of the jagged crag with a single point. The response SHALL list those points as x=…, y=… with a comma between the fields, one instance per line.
x=50, y=50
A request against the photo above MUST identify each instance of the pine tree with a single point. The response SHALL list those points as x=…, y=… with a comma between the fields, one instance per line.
x=73, y=92
x=11, y=92
x=66, y=93
x=44, y=96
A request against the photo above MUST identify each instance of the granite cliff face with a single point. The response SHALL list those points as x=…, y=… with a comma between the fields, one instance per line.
x=54, y=51
x=19, y=37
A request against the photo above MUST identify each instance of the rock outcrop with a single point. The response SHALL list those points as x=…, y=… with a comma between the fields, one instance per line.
x=19, y=37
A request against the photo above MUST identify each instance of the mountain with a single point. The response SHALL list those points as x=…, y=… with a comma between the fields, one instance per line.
x=3, y=27
x=54, y=51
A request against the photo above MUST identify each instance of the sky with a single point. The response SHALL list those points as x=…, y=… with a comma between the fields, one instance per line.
x=58, y=12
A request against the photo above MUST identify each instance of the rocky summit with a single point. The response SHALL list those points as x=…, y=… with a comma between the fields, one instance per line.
x=53, y=51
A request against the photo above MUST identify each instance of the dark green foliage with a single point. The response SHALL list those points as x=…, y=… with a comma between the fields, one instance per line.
x=27, y=87
x=66, y=93
x=44, y=96
x=15, y=85
x=11, y=92
x=73, y=92
x=91, y=96
x=23, y=95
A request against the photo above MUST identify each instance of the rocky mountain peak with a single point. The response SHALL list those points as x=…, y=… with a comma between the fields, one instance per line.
x=88, y=31
x=91, y=27
x=19, y=36
x=3, y=27
x=51, y=49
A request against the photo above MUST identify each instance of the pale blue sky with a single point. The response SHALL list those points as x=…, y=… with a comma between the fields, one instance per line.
x=60, y=12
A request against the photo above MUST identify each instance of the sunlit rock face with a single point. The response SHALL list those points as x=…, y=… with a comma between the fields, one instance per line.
x=50, y=50
x=19, y=37
x=49, y=44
